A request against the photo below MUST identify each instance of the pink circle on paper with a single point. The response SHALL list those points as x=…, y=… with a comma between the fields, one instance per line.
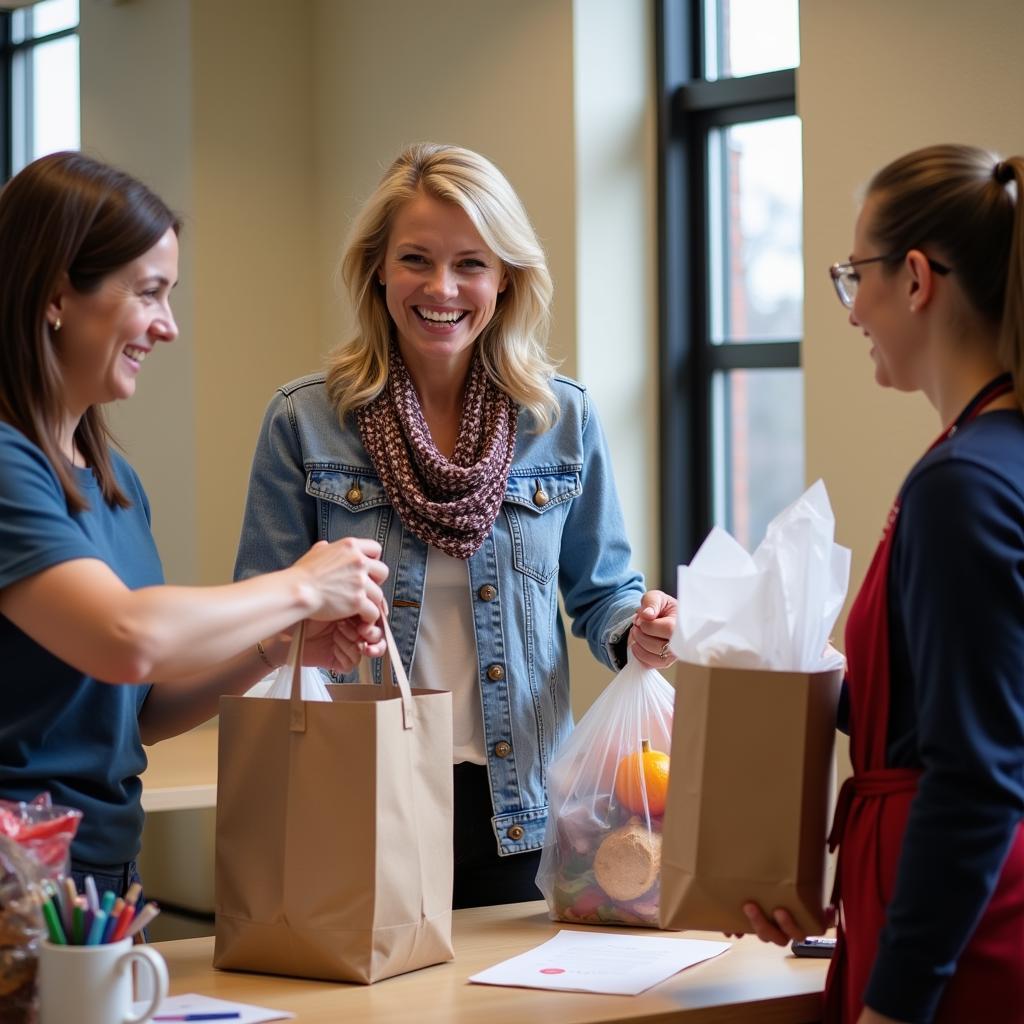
x=552, y=970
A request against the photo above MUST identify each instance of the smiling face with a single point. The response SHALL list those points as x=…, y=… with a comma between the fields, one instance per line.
x=441, y=284
x=105, y=335
x=882, y=310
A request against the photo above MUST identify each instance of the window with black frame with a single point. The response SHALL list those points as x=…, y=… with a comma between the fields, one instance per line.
x=731, y=269
x=39, y=82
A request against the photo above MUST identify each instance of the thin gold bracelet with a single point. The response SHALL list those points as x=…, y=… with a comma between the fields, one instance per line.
x=263, y=655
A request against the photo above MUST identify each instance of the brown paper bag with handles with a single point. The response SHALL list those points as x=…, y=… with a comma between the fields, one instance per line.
x=334, y=830
x=749, y=796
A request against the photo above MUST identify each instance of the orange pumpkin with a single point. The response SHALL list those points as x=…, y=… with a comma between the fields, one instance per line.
x=643, y=772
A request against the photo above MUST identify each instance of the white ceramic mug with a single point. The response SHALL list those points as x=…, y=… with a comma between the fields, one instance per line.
x=93, y=984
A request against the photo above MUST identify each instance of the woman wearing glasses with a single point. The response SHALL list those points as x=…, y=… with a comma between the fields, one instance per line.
x=931, y=868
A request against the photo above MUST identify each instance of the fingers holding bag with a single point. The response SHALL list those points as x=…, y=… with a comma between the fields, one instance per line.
x=347, y=576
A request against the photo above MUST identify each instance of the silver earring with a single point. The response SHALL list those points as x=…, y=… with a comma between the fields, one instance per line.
x=57, y=324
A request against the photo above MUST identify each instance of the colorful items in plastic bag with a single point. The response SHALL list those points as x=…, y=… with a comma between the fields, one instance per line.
x=607, y=789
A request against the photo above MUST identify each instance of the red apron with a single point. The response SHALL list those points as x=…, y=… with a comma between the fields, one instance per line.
x=871, y=816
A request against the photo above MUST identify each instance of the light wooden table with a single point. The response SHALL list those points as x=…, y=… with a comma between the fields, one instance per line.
x=751, y=982
x=182, y=772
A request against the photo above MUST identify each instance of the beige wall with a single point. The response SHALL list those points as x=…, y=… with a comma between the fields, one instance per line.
x=870, y=87
x=137, y=112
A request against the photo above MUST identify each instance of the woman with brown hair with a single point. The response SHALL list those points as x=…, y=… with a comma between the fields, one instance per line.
x=88, y=258
x=931, y=844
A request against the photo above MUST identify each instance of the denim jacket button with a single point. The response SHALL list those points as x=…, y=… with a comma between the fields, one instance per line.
x=496, y=673
x=515, y=833
x=503, y=748
x=354, y=495
x=540, y=499
x=487, y=592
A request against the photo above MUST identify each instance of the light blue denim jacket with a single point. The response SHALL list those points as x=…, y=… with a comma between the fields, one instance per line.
x=560, y=529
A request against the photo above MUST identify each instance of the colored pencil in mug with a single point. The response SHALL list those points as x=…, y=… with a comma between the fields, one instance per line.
x=124, y=919
x=95, y=935
x=142, y=918
x=68, y=904
x=107, y=903
x=91, y=895
x=112, y=919
x=53, y=925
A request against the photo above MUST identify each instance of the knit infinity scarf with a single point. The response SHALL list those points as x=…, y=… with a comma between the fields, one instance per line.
x=450, y=503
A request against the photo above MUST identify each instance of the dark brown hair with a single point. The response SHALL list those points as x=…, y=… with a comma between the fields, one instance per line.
x=64, y=214
x=962, y=205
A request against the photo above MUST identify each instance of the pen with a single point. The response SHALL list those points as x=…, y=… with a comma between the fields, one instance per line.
x=107, y=903
x=70, y=894
x=201, y=1016
x=91, y=895
x=142, y=918
x=123, y=920
x=112, y=918
x=53, y=924
x=77, y=925
x=95, y=936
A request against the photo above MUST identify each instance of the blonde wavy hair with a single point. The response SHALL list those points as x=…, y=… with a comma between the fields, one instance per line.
x=513, y=345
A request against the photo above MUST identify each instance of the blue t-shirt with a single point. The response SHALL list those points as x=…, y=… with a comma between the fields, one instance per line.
x=61, y=730
x=956, y=707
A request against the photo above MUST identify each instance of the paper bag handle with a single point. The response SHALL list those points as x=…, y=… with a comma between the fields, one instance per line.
x=393, y=670
x=297, y=715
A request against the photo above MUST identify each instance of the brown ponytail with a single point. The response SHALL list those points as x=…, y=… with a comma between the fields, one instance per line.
x=961, y=203
x=1010, y=174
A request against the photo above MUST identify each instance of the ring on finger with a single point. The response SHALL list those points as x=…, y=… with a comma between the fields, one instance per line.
x=664, y=652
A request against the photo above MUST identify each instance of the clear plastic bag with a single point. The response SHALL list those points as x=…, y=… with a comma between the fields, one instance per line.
x=278, y=685
x=35, y=839
x=606, y=797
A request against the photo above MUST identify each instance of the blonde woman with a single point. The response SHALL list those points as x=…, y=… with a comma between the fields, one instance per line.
x=441, y=430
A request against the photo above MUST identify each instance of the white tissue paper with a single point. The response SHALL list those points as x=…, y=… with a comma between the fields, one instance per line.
x=774, y=609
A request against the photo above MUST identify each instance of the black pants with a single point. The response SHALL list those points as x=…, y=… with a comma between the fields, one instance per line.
x=482, y=877
x=118, y=879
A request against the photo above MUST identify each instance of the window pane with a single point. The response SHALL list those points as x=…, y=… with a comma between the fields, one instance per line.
x=749, y=37
x=45, y=100
x=758, y=448
x=755, y=192
x=43, y=18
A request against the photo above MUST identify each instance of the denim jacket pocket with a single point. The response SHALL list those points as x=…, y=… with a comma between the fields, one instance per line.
x=536, y=504
x=352, y=503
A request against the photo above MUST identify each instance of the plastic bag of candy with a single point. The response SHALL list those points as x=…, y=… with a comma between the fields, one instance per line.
x=35, y=840
x=43, y=829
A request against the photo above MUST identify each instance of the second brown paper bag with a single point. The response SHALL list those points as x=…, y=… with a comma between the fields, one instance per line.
x=749, y=796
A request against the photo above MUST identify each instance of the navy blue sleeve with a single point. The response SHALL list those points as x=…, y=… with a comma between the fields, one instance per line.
x=958, y=576
x=36, y=529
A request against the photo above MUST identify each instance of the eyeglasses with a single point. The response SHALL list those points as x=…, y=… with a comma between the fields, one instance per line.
x=846, y=279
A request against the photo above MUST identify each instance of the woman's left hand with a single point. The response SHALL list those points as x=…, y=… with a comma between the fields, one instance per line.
x=652, y=628
x=339, y=645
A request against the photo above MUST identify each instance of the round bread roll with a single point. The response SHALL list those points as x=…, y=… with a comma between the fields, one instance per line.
x=628, y=860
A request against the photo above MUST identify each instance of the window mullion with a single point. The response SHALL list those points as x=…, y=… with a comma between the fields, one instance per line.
x=6, y=161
